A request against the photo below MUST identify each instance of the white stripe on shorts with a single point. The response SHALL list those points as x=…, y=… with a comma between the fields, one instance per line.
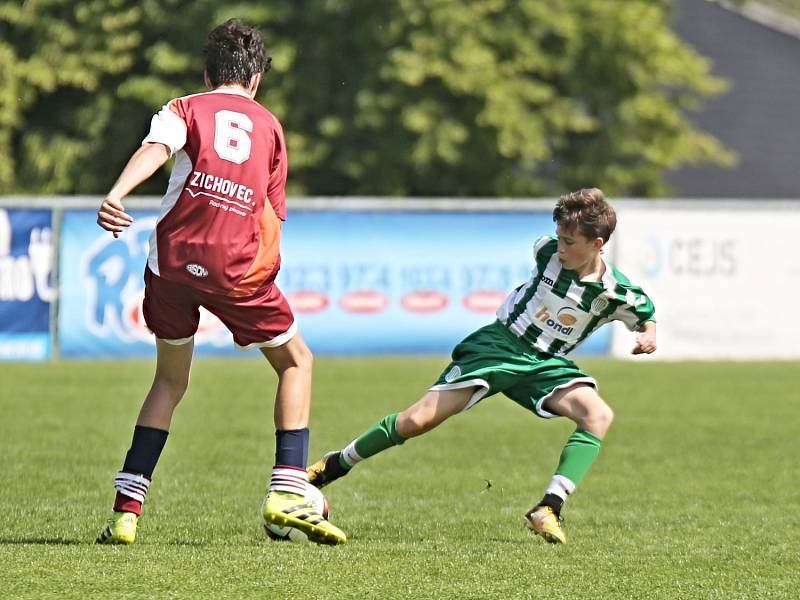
x=545, y=414
x=477, y=396
x=179, y=342
x=278, y=340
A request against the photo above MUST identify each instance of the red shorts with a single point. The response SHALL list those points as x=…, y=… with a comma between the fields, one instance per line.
x=172, y=312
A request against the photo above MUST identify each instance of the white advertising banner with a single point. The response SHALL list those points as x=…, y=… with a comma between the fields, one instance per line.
x=724, y=280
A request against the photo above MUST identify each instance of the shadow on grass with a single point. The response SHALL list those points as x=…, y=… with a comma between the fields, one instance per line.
x=513, y=542
x=42, y=542
x=181, y=543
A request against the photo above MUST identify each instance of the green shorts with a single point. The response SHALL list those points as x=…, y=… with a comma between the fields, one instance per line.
x=495, y=360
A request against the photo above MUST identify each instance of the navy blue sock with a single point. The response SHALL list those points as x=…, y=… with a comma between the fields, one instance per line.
x=145, y=450
x=291, y=447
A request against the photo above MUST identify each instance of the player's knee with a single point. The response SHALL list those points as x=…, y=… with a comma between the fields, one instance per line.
x=173, y=385
x=412, y=424
x=305, y=359
x=301, y=355
x=599, y=417
x=293, y=358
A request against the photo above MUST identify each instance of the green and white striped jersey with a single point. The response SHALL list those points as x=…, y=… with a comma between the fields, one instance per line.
x=555, y=311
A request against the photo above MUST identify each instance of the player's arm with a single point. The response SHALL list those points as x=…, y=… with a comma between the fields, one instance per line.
x=638, y=314
x=276, y=185
x=646, y=339
x=145, y=161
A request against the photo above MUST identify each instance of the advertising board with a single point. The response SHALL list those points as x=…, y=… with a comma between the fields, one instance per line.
x=720, y=280
x=359, y=282
x=26, y=284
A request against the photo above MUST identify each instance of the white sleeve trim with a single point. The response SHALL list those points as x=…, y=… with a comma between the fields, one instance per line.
x=167, y=128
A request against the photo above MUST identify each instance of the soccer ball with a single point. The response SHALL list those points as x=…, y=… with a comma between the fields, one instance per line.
x=290, y=534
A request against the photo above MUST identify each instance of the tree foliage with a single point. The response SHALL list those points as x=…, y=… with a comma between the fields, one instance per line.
x=408, y=97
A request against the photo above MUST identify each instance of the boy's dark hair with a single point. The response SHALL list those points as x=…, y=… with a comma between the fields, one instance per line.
x=234, y=53
x=586, y=211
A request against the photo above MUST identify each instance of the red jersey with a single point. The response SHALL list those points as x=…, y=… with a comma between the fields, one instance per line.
x=220, y=220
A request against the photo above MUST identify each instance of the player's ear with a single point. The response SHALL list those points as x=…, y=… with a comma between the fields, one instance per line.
x=599, y=243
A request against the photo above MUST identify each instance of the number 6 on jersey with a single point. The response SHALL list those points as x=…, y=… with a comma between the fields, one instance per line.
x=231, y=141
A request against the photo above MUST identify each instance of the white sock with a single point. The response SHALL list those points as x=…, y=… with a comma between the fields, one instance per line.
x=560, y=486
x=349, y=454
x=289, y=479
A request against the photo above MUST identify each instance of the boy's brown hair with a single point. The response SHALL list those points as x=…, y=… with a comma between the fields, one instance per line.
x=586, y=211
x=234, y=53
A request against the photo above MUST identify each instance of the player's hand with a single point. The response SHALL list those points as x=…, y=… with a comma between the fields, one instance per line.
x=112, y=216
x=645, y=343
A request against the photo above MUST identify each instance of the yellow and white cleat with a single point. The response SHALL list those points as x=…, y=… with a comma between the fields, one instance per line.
x=544, y=522
x=326, y=470
x=292, y=510
x=120, y=529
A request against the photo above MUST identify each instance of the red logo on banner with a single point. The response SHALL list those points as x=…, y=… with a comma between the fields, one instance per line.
x=484, y=300
x=364, y=302
x=136, y=316
x=308, y=301
x=424, y=301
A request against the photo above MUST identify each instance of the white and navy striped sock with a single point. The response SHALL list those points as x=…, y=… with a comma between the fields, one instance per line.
x=132, y=485
x=288, y=479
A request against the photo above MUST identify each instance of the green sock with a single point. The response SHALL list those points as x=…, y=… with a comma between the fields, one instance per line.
x=578, y=456
x=376, y=439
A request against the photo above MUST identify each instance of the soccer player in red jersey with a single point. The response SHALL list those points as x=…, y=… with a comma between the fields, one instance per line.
x=216, y=245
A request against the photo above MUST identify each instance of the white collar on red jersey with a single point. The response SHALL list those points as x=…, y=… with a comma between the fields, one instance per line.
x=236, y=91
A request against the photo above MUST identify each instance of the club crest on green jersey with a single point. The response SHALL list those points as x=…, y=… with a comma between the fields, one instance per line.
x=453, y=374
x=598, y=305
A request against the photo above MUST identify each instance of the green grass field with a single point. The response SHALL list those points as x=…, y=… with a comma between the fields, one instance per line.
x=695, y=494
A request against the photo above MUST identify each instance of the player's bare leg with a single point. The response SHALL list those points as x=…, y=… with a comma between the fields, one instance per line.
x=432, y=410
x=582, y=404
x=293, y=362
x=285, y=504
x=428, y=412
x=171, y=379
x=173, y=364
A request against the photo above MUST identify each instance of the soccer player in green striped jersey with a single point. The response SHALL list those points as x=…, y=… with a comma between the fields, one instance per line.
x=572, y=292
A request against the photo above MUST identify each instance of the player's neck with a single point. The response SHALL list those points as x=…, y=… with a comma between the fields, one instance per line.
x=234, y=86
x=593, y=270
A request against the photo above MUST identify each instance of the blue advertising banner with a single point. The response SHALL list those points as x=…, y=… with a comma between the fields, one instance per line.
x=26, y=287
x=400, y=282
x=358, y=282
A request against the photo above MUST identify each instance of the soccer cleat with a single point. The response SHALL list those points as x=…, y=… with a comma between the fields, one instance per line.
x=326, y=470
x=120, y=529
x=544, y=522
x=292, y=510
